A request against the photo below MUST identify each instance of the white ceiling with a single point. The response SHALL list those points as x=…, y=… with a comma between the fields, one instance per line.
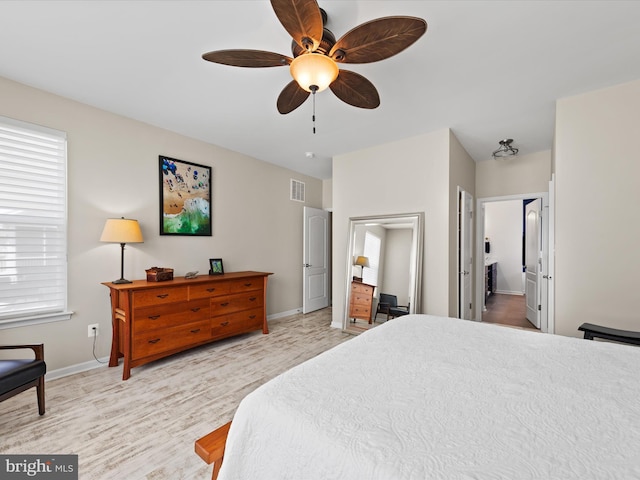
x=486, y=69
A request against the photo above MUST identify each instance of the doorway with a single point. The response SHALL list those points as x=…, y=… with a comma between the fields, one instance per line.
x=507, y=291
x=465, y=254
x=316, y=259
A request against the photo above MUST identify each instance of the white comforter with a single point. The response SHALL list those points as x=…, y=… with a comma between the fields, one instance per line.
x=424, y=397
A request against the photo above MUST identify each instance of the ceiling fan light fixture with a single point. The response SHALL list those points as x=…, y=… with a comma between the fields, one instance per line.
x=505, y=150
x=314, y=71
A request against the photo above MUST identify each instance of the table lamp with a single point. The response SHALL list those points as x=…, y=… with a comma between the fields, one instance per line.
x=122, y=231
x=361, y=262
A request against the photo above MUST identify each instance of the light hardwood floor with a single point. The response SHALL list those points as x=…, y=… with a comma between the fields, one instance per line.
x=508, y=310
x=145, y=427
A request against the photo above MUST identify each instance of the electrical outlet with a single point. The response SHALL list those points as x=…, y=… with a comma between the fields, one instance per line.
x=93, y=330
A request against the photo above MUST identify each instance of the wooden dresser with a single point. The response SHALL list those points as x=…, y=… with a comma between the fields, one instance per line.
x=361, y=301
x=151, y=320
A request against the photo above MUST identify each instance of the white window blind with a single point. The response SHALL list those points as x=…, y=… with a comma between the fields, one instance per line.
x=33, y=243
x=372, y=252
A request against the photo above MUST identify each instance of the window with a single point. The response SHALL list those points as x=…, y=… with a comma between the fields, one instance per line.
x=372, y=252
x=33, y=224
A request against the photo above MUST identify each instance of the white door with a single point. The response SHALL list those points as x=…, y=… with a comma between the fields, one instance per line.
x=533, y=261
x=465, y=261
x=315, y=260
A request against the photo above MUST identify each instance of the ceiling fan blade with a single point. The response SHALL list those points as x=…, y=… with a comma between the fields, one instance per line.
x=354, y=89
x=378, y=39
x=302, y=19
x=291, y=97
x=247, y=58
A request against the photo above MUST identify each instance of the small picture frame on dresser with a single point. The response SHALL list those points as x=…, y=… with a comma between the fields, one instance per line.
x=215, y=266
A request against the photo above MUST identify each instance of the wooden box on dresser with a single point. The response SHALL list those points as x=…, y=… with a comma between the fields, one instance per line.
x=151, y=320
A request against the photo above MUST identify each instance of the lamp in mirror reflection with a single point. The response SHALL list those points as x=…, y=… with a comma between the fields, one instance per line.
x=121, y=230
x=361, y=262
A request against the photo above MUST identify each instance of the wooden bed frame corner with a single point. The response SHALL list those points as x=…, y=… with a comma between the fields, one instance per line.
x=210, y=448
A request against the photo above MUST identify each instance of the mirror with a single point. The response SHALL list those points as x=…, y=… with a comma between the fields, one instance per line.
x=384, y=256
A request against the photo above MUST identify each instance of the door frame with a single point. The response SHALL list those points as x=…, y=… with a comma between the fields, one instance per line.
x=308, y=214
x=463, y=224
x=546, y=315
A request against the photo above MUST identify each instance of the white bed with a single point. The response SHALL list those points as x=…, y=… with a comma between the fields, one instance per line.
x=430, y=397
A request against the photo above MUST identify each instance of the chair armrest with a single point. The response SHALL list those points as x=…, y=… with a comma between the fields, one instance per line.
x=38, y=349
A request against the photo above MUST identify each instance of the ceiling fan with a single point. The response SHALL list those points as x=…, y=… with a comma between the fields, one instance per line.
x=316, y=53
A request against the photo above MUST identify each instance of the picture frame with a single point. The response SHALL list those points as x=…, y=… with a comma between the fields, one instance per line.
x=215, y=266
x=185, y=197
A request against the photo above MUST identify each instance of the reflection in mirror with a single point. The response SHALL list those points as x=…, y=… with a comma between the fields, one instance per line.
x=384, y=269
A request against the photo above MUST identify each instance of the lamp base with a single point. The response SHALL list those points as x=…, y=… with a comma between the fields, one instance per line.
x=121, y=280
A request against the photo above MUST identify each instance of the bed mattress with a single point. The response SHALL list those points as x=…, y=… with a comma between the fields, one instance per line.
x=440, y=398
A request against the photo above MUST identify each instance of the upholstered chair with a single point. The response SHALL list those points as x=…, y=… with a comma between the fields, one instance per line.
x=18, y=375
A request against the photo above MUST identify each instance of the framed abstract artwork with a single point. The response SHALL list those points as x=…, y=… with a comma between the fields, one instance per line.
x=185, y=198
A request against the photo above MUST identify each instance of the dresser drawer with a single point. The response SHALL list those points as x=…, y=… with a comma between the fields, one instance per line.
x=360, y=311
x=360, y=299
x=170, y=314
x=254, y=318
x=154, y=342
x=361, y=288
x=246, y=284
x=237, y=302
x=209, y=290
x=235, y=323
x=159, y=296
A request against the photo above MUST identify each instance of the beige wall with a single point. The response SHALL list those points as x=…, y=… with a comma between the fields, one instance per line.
x=327, y=194
x=113, y=171
x=522, y=174
x=411, y=175
x=597, y=196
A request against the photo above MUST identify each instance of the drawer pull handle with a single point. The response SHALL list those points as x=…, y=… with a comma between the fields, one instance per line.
x=211, y=290
x=154, y=317
x=224, y=324
x=164, y=295
x=154, y=341
x=195, y=331
x=248, y=284
x=224, y=304
x=253, y=299
x=197, y=309
x=252, y=317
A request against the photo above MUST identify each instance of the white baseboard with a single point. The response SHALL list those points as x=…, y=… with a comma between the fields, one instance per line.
x=273, y=316
x=77, y=368
x=509, y=292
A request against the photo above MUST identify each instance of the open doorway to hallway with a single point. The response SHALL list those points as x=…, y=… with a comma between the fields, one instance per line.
x=507, y=296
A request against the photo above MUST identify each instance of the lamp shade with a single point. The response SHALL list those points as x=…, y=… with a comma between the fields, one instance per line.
x=121, y=230
x=362, y=261
x=313, y=70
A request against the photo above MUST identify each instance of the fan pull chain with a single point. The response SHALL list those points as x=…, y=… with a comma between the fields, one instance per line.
x=313, y=117
x=314, y=89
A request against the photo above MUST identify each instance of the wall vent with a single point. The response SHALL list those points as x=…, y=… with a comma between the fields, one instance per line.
x=297, y=190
